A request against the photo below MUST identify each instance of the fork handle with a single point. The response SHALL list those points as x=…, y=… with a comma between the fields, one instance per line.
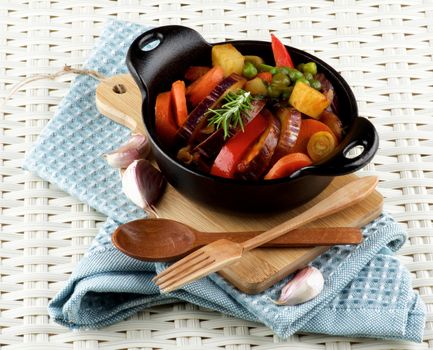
x=344, y=197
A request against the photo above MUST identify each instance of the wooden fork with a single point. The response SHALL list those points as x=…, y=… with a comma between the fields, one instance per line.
x=219, y=254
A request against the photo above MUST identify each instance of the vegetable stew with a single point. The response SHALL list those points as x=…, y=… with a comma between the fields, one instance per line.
x=249, y=119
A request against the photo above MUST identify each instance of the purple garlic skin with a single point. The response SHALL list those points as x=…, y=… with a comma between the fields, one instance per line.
x=137, y=147
x=143, y=184
x=304, y=286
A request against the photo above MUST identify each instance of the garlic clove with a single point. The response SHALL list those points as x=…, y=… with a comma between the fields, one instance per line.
x=137, y=147
x=143, y=184
x=304, y=286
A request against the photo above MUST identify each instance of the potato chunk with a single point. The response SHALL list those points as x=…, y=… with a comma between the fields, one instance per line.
x=228, y=58
x=308, y=100
x=256, y=86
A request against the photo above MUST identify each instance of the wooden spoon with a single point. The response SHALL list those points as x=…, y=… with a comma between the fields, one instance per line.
x=164, y=239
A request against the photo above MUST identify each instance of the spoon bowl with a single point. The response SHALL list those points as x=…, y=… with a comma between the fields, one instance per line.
x=154, y=239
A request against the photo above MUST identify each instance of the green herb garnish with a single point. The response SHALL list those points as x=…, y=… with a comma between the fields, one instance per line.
x=230, y=113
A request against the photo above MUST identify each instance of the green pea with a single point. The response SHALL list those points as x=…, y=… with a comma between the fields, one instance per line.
x=287, y=92
x=249, y=71
x=308, y=76
x=280, y=79
x=273, y=91
x=288, y=70
x=256, y=60
x=316, y=84
x=304, y=81
x=284, y=70
x=265, y=67
x=295, y=75
x=300, y=67
x=310, y=67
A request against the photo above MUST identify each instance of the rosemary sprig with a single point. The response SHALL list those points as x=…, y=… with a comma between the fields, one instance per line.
x=230, y=113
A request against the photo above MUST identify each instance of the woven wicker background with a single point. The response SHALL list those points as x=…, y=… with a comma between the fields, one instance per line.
x=384, y=48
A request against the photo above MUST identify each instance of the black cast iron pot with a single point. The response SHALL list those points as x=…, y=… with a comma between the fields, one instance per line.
x=160, y=56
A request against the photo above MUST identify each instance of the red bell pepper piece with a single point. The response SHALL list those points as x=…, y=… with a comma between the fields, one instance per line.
x=281, y=55
x=232, y=152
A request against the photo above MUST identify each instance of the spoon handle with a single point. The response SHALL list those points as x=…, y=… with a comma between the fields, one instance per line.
x=301, y=237
x=344, y=197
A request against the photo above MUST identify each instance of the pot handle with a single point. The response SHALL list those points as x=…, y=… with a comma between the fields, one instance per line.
x=170, y=47
x=363, y=134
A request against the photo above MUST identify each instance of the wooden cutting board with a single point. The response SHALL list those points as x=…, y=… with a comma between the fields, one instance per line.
x=119, y=99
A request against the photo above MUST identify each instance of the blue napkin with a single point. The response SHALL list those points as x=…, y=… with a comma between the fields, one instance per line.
x=367, y=291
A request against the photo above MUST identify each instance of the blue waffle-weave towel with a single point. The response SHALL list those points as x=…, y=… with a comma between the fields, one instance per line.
x=367, y=291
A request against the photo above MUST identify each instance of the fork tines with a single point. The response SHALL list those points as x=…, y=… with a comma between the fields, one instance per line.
x=208, y=259
x=181, y=272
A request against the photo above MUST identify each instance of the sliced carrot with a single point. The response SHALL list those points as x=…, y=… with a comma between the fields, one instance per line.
x=165, y=124
x=320, y=145
x=265, y=76
x=308, y=128
x=195, y=72
x=179, y=100
x=287, y=165
x=202, y=87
